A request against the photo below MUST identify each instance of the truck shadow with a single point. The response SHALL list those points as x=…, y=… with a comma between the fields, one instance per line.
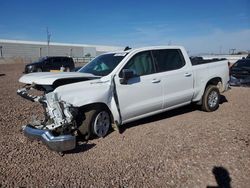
x=223, y=99
x=179, y=111
x=222, y=177
x=168, y=114
x=80, y=148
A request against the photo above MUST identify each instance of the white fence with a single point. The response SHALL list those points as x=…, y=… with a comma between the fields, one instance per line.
x=231, y=58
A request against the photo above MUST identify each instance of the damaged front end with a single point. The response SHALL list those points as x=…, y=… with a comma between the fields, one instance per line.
x=58, y=128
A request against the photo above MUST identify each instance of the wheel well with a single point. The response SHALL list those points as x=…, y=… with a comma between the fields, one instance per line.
x=214, y=81
x=97, y=106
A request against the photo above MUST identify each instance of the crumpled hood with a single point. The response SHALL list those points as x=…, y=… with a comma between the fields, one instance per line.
x=87, y=92
x=48, y=78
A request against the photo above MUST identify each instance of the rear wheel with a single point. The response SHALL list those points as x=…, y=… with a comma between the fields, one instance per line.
x=211, y=98
x=67, y=69
x=97, y=122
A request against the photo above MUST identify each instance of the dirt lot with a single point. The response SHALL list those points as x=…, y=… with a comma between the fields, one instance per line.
x=180, y=148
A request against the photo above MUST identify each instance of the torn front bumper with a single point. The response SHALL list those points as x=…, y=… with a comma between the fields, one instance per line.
x=56, y=143
x=24, y=93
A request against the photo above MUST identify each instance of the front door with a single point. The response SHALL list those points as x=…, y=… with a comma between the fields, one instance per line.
x=143, y=93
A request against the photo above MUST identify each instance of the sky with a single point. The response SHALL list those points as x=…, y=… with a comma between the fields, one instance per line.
x=213, y=26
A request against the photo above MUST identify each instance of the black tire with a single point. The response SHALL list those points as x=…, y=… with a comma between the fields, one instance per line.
x=210, y=99
x=67, y=69
x=87, y=127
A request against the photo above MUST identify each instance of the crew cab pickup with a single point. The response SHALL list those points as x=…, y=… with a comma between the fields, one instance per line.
x=119, y=87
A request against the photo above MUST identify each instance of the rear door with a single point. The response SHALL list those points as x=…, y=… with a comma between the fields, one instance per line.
x=48, y=64
x=58, y=63
x=53, y=63
x=143, y=93
x=68, y=63
x=176, y=76
x=65, y=62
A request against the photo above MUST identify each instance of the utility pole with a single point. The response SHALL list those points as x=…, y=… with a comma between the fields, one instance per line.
x=232, y=50
x=1, y=51
x=48, y=39
x=71, y=52
x=40, y=52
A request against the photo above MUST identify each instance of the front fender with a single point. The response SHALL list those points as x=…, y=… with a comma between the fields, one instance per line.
x=89, y=92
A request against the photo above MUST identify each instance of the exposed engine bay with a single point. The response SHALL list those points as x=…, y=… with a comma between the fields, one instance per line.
x=56, y=130
x=58, y=114
x=65, y=109
x=59, y=126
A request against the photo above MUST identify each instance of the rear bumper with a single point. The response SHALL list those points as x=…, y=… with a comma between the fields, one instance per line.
x=56, y=143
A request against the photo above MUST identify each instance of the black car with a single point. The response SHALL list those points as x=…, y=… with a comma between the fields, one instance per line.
x=240, y=69
x=240, y=73
x=47, y=64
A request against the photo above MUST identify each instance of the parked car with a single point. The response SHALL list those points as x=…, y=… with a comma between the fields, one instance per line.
x=240, y=73
x=119, y=87
x=46, y=64
x=241, y=68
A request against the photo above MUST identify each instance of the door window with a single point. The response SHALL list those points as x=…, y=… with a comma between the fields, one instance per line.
x=57, y=60
x=65, y=61
x=169, y=59
x=49, y=62
x=141, y=64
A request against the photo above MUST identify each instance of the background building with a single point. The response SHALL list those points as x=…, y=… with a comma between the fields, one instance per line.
x=31, y=50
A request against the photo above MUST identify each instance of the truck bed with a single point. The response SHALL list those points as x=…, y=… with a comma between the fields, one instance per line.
x=200, y=60
x=206, y=70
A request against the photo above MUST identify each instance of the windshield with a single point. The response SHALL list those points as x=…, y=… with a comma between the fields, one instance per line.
x=103, y=64
x=242, y=63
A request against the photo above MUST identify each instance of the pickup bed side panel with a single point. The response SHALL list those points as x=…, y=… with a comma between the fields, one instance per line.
x=205, y=72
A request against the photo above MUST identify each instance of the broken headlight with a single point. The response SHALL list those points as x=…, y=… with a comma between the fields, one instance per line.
x=59, y=111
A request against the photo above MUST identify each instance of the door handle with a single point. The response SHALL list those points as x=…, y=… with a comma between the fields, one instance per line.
x=188, y=74
x=156, y=81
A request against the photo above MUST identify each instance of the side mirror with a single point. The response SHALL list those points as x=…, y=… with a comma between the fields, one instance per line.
x=126, y=75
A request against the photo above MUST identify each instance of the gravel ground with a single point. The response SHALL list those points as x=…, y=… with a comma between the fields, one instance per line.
x=181, y=148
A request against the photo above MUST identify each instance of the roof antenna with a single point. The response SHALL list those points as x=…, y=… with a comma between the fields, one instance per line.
x=127, y=48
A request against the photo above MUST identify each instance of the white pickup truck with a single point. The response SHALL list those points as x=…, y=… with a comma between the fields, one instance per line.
x=119, y=87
